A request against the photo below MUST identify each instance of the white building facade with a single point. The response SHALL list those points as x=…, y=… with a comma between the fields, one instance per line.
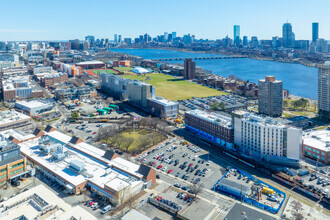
x=264, y=137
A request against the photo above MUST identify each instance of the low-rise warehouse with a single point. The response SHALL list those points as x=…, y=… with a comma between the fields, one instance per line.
x=13, y=119
x=34, y=107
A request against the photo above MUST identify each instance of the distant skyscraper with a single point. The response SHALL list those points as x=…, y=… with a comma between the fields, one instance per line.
x=166, y=36
x=116, y=38
x=119, y=38
x=146, y=38
x=315, y=27
x=91, y=40
x=254, y=41
x=324, y=91
x=288, y=35
x=236, y=34
x=173, y=35
x=245, y=41
x=270, y=95
x=189, y=71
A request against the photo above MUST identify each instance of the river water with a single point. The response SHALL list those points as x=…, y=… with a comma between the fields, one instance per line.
x=300, y=80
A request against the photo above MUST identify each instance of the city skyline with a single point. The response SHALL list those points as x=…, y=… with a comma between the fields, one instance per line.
x=40, y=22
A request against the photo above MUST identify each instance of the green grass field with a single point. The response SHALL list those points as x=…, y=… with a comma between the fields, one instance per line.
x=102, y=71
x=134, y=147
x=175, y=89
x=123, y=69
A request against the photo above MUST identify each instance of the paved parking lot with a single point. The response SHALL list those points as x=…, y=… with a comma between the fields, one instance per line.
x=198, y=158
x=230, y=101
x=316, y=183
x=86, y=131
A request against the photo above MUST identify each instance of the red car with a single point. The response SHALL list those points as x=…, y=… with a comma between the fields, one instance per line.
x=191, y=164
x=170, y=171
x=91, y=203
x=160, y=166
x=159, y=198
x=69, y=130
x=94, y=132
x=187, y=197
x=159, y=157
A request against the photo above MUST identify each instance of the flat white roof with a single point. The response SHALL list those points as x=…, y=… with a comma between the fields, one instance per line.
x=97, y=169
x=16, y=134
x=64, y=210
x=317, y=139
x=164, y=102
x=33, y=104
x=10, y=116
x=212, y=117
x=90, y=62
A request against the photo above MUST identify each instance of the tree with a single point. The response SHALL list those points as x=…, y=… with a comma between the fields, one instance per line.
x=75, y=115
x=196, y=188
x=143, y=142
x=126, y=143
x=117, y=140
x=222, y=106
x=215, y=106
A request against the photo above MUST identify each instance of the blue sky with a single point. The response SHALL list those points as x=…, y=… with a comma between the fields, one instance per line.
x=212, y=19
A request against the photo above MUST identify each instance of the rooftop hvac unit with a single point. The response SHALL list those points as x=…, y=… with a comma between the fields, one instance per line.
x=77, y=165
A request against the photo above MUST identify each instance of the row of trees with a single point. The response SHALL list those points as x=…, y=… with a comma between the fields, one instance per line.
x=297, y=104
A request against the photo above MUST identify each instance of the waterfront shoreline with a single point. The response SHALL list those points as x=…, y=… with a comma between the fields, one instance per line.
x=283, y=70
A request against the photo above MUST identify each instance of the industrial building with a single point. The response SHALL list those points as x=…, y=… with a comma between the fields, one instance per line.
x=270, y=96
x=75, y=93
x=250, y=190
x=213, y=127
x=121, y=63
x=12, y=163
x=13, y=119
x=162, y=107
x=75, y=165
x=40, y=202
x=316, y=145
x=34, y=107
x=261, y=137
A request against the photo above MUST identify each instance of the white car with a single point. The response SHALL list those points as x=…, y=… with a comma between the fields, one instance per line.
x=164, y=168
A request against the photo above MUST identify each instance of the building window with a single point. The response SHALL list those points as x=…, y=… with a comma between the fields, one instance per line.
x=16, y=165
x=16, y=171
x=3, y=176
x=3, y=170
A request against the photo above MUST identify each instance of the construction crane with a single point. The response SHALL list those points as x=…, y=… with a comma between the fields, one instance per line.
x=44, y=57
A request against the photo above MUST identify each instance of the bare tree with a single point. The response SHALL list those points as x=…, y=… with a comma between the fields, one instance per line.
x=126, y=143
x=196, y=188
x=143, y=142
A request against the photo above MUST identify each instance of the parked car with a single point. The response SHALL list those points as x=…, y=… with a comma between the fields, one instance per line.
x=106, y=209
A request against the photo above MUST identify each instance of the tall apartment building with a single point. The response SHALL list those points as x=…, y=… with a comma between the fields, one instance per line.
x=213, y=127
x=189, y=71
x=162, y=107
x=12, y=164
x=115, y=85
x=139, y=92
x=324, y=91
x=270, y=96
x=266, y=138
x=136, y=92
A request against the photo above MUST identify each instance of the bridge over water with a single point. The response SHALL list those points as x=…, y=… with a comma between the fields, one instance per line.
x=198, y=58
